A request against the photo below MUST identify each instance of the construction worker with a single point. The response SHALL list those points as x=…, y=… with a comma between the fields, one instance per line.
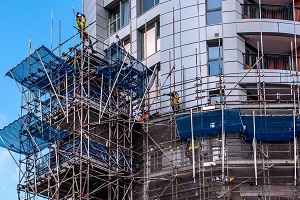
x=189, y=150
x=143, y=117
x=80, y=22
x=174, y=100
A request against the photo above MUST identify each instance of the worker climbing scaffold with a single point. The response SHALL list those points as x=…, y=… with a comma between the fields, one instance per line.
x=174, y=100
x=81, y=25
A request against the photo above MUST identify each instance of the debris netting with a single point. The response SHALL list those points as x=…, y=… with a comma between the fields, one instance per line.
x=29, y=134
x=133, y=74
x=31, y=72
x=209, y=123
x=269, y=128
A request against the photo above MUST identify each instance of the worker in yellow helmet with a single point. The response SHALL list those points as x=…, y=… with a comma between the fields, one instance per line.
x=174, y=100
x=81, y=25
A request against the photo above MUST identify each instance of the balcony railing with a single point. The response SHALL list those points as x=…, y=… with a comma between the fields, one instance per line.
x=272, y=61
x=270, y=11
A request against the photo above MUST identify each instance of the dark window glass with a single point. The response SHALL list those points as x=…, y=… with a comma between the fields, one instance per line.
x=148, y=4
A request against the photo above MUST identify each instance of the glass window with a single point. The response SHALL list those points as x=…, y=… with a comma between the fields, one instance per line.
x=119, y=19
x=215, y=58
x=147, y=4
x=213, y=67
x=215, y=51
x=214, y=4
x=151, y=40
x=213, y=12
x=114, y=20
x=214, y=17
x=216, y=97
x=125, y=13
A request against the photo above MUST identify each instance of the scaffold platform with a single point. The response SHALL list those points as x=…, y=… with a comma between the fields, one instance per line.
x=29, y=134
x=41, y=69
x=127, y=71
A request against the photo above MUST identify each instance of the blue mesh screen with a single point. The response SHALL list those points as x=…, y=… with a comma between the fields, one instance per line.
x=31, y=74
x=17, y=138
x=209, y=123
x=96, y=151
x=271, y=128
x=133, y=76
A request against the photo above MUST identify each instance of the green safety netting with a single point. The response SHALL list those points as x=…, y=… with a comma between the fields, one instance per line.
x=209, y=123
x=29, y=134
x=133, y=74
x=31, y=72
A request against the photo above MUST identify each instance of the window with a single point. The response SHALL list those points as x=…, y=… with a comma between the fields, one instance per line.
x=147, y=4
x=215, y=58
x=150, y=40
x=119, y=19
x=126, y=44
x=216, y=97
x=213, y=12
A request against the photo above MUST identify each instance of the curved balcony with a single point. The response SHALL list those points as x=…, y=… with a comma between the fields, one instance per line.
x=272, y=61
x=270, y=11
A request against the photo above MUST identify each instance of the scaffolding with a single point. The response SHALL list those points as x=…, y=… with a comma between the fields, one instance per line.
x=98, y=126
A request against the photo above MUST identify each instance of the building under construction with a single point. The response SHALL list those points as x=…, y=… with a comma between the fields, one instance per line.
x=183, y=99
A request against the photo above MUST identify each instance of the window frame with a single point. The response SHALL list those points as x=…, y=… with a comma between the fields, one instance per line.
x=212, y=10
x=219, y=96
x=156, y=26
x=118, y=20
x=215, y=43
x=155, y=2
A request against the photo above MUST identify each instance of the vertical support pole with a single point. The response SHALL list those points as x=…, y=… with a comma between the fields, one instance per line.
x=131, y=146
x=51, y=30
x=254, y=148
x=197, y=84
x=41, y=108
x=193, y=146
x=295, y=148
x=223, y=145
x=67, y=98
x=101, y=94
x=59, y=40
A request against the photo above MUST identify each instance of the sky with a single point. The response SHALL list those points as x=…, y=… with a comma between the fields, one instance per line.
x=19, y=20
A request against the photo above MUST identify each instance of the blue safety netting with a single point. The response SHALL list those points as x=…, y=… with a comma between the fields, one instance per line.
x=52, y=105
x=209, y=123
x=31, y=73
x=270, y=128
x=29, y=134
x=133, y=75
x=96, y=151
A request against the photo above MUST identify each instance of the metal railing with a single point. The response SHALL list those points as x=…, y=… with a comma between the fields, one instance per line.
x=270, y=11
x=271, y=61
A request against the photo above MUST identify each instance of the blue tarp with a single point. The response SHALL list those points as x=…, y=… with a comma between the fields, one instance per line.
x=209, y=123
x=31, y=73
x=133, y=76
x=17, y=138
x=270, y=128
